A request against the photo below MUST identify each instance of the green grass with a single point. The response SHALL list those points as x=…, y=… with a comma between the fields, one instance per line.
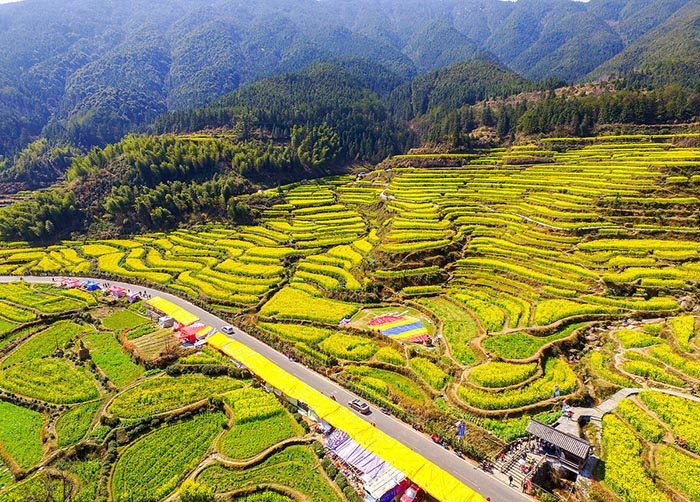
x=123, y=320
x=509, y=429
x=88, y=473
x=6, y=326
x=108, y=354
x=20, y=434
x=264, y=496
x=6, y=478
x=73, y=424
x=458, y=327
x=36, y=487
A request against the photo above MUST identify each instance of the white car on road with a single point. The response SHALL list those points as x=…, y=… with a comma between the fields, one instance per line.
x=227, y=329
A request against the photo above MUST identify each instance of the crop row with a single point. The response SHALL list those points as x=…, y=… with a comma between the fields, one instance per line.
x=625, y=473
x=556, y=373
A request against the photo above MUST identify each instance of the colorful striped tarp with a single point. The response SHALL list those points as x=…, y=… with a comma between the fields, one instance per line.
x=399, y=327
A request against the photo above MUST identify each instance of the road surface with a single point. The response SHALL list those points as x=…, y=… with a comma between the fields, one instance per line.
x=485, y=484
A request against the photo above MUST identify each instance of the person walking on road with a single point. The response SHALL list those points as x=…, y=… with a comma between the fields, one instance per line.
x=510, y=480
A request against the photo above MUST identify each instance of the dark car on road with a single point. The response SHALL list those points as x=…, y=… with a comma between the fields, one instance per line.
x=360, y=406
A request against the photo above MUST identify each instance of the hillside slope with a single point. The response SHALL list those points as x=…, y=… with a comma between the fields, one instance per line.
x=669, y=54
x=96, y=70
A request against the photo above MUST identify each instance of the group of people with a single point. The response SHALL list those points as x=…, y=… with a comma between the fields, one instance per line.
x=524, y=465
x=680, y=442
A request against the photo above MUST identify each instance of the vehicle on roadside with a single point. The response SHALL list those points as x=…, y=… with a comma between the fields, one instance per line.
x=228, y=330
x=360, y=406
x=411, y=494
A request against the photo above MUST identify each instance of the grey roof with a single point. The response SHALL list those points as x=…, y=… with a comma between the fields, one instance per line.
x=572, y=444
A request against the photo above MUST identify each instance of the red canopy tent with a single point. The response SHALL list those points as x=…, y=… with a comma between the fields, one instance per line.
x=188, y=334
x=72, y=283
x=117, y=291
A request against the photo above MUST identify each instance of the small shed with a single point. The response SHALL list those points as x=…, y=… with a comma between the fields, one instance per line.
x=166, y=321
x=571, y=451
x=83, y=352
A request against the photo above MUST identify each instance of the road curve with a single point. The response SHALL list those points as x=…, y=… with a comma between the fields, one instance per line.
x=465, y=471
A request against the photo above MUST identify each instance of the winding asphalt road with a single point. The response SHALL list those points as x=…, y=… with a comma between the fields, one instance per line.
x=468, y=473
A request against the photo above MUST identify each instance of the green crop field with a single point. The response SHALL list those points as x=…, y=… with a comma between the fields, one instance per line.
x=168, y=393
x=575, y=271
x=49, y=379
x=259, y=422
x=20, y=435
x=74, y=424
x=123, y=320
x=154, y=464
x=296, y=467
x=112, y=359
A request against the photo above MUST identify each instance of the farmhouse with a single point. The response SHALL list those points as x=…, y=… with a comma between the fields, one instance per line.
x=570, y=451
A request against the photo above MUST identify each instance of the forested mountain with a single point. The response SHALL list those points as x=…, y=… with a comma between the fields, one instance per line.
x=338, y=100
x=86, y=72
x=155, y=182
x=455, y=86
x=667, y=54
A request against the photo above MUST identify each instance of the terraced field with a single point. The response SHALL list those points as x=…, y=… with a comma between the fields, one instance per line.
x=532, y=281
x=108, y=429
x=652, y=429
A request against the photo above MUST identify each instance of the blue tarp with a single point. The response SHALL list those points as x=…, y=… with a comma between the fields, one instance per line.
x=402, y=329
x=91, y=286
